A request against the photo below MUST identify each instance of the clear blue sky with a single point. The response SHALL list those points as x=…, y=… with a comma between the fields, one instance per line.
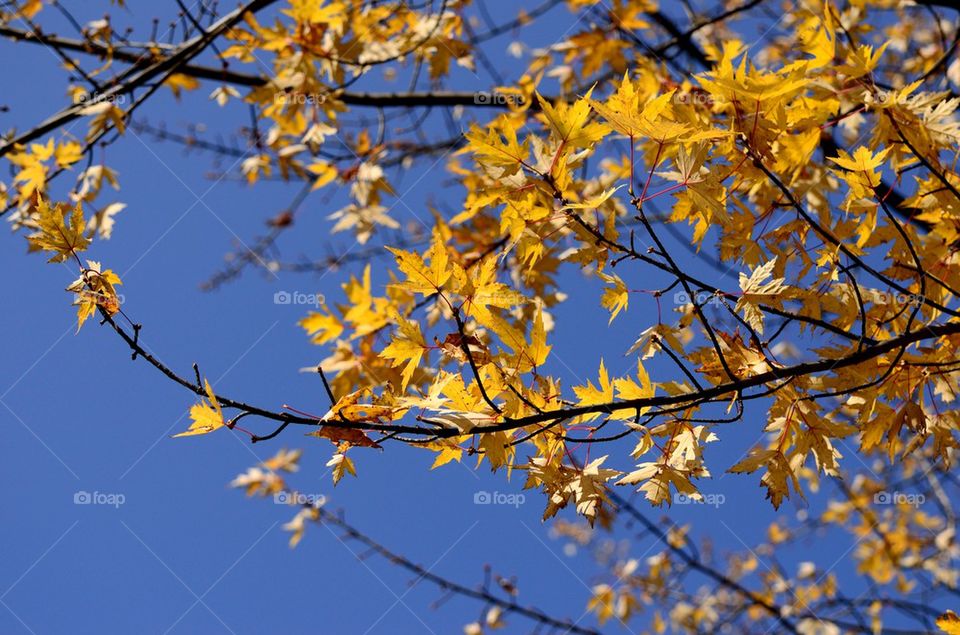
x=184, y=553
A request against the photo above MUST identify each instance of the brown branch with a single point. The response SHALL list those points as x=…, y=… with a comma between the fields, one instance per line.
x=373, y=99
x=776, y=612
x=187, y=51
x=806, y=368
x=445, y=584
x=734, y=387
x=826, y=235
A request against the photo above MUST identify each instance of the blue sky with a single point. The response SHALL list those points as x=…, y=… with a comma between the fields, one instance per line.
x=184, y=553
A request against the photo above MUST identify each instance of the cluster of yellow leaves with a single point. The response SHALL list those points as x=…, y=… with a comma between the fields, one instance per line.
x=607, y=390
x=64, y=233
x=350, y=409
x=585, y=487
x=492, y=619
x=893, y=531
x=680, y=461
x=265, y=480
x=316, y=48
x=755, y=289
x=536, y=201
x=800, y=430
x=609, y=603
x=95, y=288
x=107, y=116
x=34, y=167
x=525, y=178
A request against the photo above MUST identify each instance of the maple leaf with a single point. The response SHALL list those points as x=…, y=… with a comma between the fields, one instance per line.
x=452, y=346
x=538, y=349
x=421, y=278
x=702, y=190
x=656, y=478
x=341, y=464
x=623, y=113
x=104, y=114
x=890, y=423
x=589, y=489
x=569, y=122
x=64, y=237
x=95, y=288
x=608, y=603
x=463, y=420
x=497, y=450
x=596, y=201
x=285, y=460
x=222, y=94
x=321, y=326
x=299, y=523
x=68, y=153
x=655, y=336
x=331, y=14
x=348, y=408
x=338, y=434
x=615, y=298
x=206, y=415
x=585, y=487
x=862, y=60
x=102, y=221
x=629, y=389
x=481, y=290
x=30, y=8
x=33, y=172
x=447, y=450
x=591, y=395
x=860, y=170
x=257, y=481
x=949, y=623
x=178, y=82
x=756, y=289
x=621, y=108
x=407, y=346
x=363, y=218
x=92, y=181
x=778, y=476
x=499, y=147
x=324, y=172
x=818, y=38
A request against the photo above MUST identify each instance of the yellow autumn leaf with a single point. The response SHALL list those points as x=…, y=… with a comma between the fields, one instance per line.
x=408, y=346
x=58, y=233
x=206, y=415
x=949, y=623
